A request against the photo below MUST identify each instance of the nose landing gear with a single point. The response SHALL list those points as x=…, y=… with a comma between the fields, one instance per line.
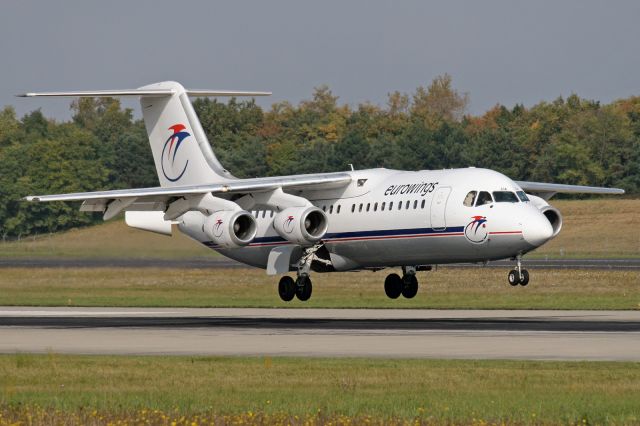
x=407, y=286
x=518, y=275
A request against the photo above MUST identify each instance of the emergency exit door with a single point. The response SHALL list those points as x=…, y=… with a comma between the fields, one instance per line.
x=439, y=208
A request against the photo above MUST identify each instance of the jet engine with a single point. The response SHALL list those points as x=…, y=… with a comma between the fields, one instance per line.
x=301, y=225
x=552, y=214
x=230, y=229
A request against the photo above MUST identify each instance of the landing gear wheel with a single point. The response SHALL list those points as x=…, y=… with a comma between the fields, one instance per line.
x=393, y=286
x=525, y=278
x=286, y=288
x=514, y=277
x=409, y=286
x=303, y=288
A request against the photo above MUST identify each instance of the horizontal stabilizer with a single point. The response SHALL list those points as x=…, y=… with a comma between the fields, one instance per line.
x=148, y=93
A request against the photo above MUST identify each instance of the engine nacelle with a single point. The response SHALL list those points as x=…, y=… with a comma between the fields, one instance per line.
x=301, y=225
x=230, y=229
x=554, y=217
x=552, y=214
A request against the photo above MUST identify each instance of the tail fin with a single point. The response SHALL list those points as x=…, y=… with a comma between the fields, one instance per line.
x=181, y=151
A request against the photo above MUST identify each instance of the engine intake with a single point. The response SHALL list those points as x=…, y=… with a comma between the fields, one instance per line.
x=554, y=217
x=230, y=229
x=301, y=225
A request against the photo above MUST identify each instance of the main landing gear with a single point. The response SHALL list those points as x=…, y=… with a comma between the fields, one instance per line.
x=394, y=286
x=301, y=287
x=518, y=275
x=288, y=288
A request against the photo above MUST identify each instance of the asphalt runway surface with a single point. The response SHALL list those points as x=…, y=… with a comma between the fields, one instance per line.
x=470, y=334
x=222, y=262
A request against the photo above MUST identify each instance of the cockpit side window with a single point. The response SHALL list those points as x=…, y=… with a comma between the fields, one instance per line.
x=505, y=197
x=470, y=198
x=523, y=197
x=484, y=198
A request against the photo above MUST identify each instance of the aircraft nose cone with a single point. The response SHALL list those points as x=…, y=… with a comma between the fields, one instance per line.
x=537, y=231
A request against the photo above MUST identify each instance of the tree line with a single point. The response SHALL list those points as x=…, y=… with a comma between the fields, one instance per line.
x=572, y=140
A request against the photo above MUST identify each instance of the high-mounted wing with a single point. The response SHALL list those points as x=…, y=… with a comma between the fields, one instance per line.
x=548, y=190
x=157, y=198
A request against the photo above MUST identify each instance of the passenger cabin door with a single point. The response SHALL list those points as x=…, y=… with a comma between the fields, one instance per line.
x=439, y=208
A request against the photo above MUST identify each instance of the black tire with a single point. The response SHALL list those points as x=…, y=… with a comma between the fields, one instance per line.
x=514, y=277
x=393, y=286
x=525, y=278
x=409, y=286
x=303, y=288
x=287, y=288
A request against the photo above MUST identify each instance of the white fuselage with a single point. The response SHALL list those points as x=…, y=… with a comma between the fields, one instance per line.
x=397, y=218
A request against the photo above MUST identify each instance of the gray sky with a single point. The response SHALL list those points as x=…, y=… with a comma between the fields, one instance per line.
x=498, y=51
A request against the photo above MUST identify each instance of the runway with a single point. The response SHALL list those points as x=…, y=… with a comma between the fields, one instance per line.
x=222, y=262
x=472, y=334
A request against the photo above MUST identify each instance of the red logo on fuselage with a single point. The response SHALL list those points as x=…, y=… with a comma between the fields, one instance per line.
x=476, y=230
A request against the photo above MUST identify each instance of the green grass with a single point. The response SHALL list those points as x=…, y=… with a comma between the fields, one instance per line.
x=438, y=391
x=114, y=240
x=444, y=288
x=606, y=228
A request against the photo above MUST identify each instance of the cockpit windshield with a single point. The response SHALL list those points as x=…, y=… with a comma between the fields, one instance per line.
x=523, y=197
x=505, y=197
x=484, y=198
x=470, y=199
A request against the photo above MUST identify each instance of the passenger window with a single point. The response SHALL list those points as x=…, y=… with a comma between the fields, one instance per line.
x=264, y=214
x=505, y=197
x=353, y=208
x=382, y=206
x=415, y=204
x=271, y=214
x=324, y=208
x=360, y=208
x=470, y=198
x=400, y=205
x=484, y=198
x=422, y=204
x=331, y=209
x=406, y=207
x=368, y=206
x=338, y=211
x=375, y=207
x=391, y=205
x=523, y=197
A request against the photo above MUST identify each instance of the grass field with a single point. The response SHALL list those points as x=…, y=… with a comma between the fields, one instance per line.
x=444, y=288
x=432, y=391
x=593, y=228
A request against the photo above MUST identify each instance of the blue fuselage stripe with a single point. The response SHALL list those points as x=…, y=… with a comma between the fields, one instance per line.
x=363, y=234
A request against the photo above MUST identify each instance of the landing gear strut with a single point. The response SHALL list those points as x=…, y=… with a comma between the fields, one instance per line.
x=518, y=275
x=301, y=287
x=394, y=286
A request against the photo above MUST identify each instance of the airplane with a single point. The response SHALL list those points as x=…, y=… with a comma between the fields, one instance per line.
x=328, y=222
